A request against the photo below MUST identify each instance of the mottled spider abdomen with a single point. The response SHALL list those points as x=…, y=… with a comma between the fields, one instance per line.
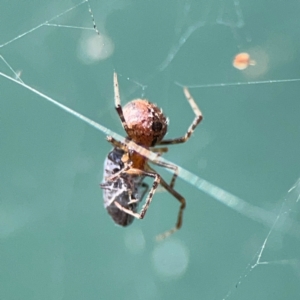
x=147, y=125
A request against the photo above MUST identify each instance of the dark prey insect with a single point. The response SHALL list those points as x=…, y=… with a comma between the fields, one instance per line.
x=125, y=169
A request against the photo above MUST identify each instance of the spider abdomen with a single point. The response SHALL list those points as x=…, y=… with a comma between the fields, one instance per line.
x=147, y=125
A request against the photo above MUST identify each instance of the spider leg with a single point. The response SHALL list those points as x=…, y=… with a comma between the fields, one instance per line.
x=131, y=199
x=118, y=102
x=145, y=207
x=197, y=120
x=168, y=166
x=114, y=176
x=117, y=143
x=159, y=151
x=145, y=186
x=180, y=213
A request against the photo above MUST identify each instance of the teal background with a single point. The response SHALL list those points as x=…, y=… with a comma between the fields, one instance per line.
x=57, y=241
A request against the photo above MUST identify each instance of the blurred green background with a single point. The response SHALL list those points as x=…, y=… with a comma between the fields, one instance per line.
x=57, y=241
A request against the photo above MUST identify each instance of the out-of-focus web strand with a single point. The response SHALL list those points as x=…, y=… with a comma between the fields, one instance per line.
x=255, y=213
x=226, y=84
x=46, y=23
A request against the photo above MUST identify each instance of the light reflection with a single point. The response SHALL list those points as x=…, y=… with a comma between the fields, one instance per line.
x=170, y=258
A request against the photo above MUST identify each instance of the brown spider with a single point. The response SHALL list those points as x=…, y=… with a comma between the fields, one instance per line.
x=125, y=168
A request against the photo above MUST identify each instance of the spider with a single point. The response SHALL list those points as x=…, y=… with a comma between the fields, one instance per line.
x=125, y=168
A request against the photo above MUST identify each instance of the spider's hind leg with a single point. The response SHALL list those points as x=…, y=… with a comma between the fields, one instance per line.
x=180, y=213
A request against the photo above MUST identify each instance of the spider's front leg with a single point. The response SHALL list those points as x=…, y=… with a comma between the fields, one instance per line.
x=198, y=118
x=117, y=143
x=118, y=102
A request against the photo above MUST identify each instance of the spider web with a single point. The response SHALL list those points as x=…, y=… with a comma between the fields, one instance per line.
x=52, y=220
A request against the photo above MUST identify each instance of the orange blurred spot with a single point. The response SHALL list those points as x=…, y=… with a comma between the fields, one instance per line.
x=242, y=61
